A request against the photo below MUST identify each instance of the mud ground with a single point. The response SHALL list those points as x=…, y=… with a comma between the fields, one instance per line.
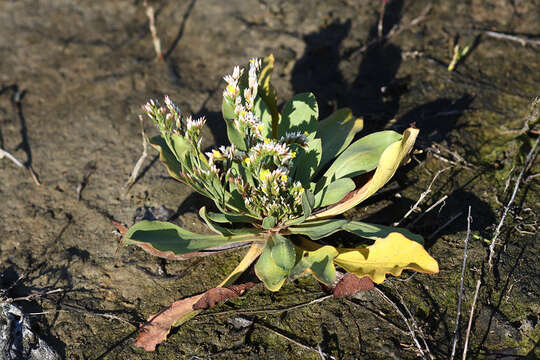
x=74, y=74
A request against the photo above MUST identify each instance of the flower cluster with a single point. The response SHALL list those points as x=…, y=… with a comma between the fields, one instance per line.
x=260, y=175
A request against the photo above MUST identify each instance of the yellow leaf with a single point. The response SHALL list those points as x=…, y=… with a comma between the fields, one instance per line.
x=390, y=160
x=389, y=255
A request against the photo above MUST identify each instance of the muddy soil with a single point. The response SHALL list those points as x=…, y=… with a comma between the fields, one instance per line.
x=73, y=75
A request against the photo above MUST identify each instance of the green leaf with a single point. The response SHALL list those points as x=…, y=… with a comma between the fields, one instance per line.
x=167, y=157
x=168, y=237
x=361, y=157
x=227, y=109
x=319, y=229
x=283, y=252
x=269, y=222
x=229, y=218
x=261, y=110
x=392, y=157
x=337, y=132
x=267, y=270
x=222, y=230
x=374, y=231
x=235, y=136
x=334, y=192
x=307, y=162
x=320, y=263
x=300, y=114
x=308, y=200
x=180, y=146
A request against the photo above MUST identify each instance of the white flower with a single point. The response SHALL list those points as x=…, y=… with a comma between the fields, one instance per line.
x=195, y=124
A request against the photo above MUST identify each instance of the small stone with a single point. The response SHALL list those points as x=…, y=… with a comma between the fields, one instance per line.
x=239, y=322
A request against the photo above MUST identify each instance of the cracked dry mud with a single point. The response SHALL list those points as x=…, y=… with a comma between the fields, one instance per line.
x=81, y=70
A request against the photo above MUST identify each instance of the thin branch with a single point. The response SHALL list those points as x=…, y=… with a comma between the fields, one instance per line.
x=456, y=331
x=11, y=157
x=270, y=311
x=150, y=13
x=421, y=198
x=415, y=326
x=135, y=172
x=523, y=41
x=32, y=296
x=532, y=117
x=530, y=157
x=397, y=29
x=381, y=18
x=69, y=308
x=411, y=331
x=4, y=153
x=303, y=346
x=478, y=283
x=429, y=209
x=377, y=315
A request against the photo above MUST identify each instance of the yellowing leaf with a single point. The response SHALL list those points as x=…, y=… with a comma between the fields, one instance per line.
x=267, y=92
x=389, y=255
x=390, y=160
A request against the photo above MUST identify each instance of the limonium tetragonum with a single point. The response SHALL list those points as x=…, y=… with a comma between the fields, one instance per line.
x=286, y=177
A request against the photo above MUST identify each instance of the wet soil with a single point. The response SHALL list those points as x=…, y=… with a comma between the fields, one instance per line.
x=74, y=74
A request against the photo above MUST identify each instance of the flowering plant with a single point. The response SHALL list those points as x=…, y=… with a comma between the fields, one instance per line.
x=285, y=176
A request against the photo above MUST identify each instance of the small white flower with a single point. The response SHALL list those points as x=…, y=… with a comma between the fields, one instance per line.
x=168, y=101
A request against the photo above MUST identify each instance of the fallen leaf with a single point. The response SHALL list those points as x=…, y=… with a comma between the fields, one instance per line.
x=351, y=284
x=216, y=295
x=158, y=326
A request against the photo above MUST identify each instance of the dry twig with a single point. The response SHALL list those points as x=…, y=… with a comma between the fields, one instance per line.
x=421, y=198
x=416, y=327
x=305, y=347
x=150, y=13
x=270, y=311
x=135, y=172
x=523, y=41
x=4, y=153
x=478, y=283
x=530, y=157
x=381, y=18
x=395, y=30
x=411, y=330
x=456, y=331
x=429, y=209
x=11, y=157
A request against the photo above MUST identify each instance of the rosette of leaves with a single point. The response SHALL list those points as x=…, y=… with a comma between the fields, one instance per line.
x=279, y=188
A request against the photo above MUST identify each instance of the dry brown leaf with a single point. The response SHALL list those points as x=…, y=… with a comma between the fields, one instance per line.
x=216, y=295
x=351, y=284
x=158, y=326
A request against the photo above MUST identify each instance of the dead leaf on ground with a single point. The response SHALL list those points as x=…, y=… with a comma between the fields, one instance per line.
x=159, y=325
x=216, y=295
x=351, y=284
